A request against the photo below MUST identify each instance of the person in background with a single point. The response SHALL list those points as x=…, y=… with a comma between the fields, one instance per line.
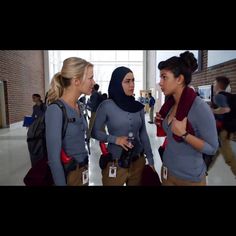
x=146, y=104
x=95, y=99
x=141, y=98
x=39, y=108
x=104, y=96
x=83, y=106
x=151, y=106
x=226, y=120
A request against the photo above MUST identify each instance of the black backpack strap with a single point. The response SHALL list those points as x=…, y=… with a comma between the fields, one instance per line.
x=227, y=95
x=64, y=115
x=230, y=101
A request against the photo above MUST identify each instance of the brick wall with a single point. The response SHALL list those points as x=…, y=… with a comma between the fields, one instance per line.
x=208, y=75
x=23, y=72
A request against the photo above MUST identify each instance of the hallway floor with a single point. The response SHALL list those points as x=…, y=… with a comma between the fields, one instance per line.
x=15, y=161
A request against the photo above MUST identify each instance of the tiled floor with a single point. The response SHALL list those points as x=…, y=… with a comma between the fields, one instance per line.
x=14, y=157
x=15, y=162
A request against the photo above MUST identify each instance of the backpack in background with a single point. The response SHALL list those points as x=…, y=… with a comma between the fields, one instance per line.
x=229, y=121
x=40, y=173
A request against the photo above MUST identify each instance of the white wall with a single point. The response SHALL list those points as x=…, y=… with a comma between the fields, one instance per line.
x=151, y=72
x=46, y=70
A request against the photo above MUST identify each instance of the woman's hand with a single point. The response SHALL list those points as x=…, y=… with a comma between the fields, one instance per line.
x=158, y=119
x=179, y=127
x=123, y=142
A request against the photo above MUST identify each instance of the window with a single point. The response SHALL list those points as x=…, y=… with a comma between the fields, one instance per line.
x=205, y=92
x=220, y=56
x=104, y=63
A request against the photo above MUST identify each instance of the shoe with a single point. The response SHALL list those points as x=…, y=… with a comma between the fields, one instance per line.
x=150, y=122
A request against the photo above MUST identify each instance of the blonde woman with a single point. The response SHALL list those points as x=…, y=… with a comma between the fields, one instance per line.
x=75, y=79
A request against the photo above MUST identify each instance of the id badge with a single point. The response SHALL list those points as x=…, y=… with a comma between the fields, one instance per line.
x=112, y=171
x=165, y=172
x=85, y=177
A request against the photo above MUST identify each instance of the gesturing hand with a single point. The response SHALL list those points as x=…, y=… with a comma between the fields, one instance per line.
x=123, y=142
x=158, y=119
x=179, y=127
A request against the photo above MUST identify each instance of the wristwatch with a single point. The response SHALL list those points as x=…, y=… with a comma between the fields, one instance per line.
x=185, y=135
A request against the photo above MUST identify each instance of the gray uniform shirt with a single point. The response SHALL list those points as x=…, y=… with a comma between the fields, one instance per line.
x=73, y=143
x=120, y=123
x=221, y=101
x=181, y=159
x=38, y=110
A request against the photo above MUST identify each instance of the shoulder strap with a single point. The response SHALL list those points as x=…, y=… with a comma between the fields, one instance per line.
x=64, y=116
x=224, y=93
x=227, y=95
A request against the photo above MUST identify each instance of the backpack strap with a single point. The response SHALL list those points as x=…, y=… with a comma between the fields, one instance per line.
x=231, y=103
x=226, y=94
x=64, y=116
x=65, y=122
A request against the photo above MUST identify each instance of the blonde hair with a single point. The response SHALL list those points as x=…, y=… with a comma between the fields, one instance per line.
x=73, y=67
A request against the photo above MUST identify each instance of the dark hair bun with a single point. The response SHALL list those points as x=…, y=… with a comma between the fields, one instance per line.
x=189, y=60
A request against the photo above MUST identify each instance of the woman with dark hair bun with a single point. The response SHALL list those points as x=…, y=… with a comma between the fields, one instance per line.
x=188, y=122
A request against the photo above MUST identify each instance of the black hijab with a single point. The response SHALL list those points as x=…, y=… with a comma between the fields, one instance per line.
x=117, y=94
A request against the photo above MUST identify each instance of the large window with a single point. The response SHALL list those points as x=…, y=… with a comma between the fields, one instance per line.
x=104, y=63
x=219, y=56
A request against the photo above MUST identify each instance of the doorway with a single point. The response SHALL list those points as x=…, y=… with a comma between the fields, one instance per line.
x=2, y=106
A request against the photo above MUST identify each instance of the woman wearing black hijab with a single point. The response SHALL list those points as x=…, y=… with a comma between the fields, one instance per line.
x=127, y=135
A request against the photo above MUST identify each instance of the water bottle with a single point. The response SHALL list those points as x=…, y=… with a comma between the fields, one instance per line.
x=125, y=158
x=130, y=140
x=103, y=148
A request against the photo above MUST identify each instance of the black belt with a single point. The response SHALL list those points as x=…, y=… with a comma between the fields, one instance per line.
x=125, y=162
x=134, y=158
x=83, y=163
x=73, y=164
